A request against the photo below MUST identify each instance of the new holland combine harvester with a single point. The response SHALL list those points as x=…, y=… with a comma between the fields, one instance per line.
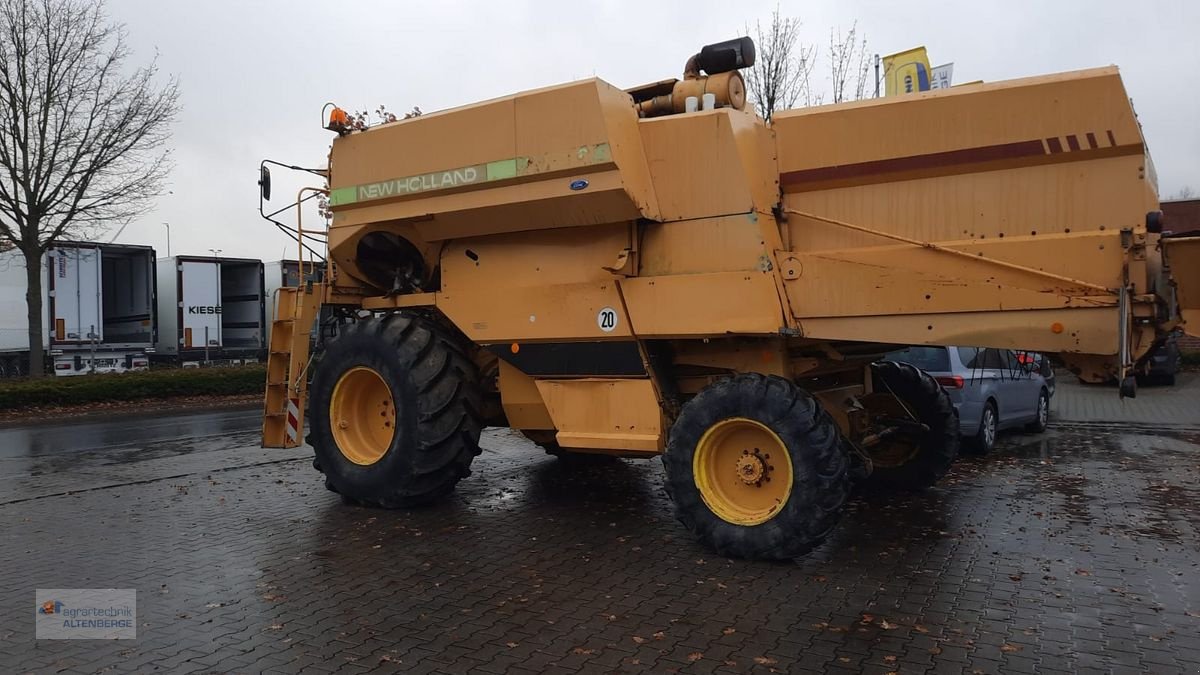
x=636, y=273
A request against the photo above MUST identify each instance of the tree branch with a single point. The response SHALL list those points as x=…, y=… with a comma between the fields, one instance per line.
x=82, y=137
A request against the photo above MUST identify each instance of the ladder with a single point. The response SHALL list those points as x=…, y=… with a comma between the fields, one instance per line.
x=294, y=312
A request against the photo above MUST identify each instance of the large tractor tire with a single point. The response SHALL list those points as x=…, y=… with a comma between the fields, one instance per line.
x=394, y=412
x=916, y=460
x=756, y=468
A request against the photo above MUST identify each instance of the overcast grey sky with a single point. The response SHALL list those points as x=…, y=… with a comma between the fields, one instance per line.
x=254, y=75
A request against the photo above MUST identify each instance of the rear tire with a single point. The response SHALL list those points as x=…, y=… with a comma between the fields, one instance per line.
x=405, y=375
x=811, y=484
x=933, y=452
x=984, y=440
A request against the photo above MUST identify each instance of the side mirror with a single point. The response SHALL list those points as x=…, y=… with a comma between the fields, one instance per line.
x=264, y=183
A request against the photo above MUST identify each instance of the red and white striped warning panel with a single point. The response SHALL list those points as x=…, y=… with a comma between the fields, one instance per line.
x=293, y=420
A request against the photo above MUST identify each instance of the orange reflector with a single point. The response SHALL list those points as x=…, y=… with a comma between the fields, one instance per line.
x=60, y=329
x=187, y=338
x=1056, y=327
x=515, y=348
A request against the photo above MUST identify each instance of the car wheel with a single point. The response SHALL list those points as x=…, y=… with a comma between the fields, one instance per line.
x=989, y=425
x=1042, y=417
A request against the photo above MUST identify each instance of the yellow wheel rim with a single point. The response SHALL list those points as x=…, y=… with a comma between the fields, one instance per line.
x=743, y=471
x=362, y=414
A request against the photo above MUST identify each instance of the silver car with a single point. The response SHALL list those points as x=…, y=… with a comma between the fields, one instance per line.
x=993, y=389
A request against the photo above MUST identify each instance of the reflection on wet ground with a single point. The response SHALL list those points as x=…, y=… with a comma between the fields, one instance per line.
x=1072, y=550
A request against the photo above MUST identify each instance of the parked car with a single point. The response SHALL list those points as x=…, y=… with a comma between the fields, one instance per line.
x=991, y=388
x=1040, y=363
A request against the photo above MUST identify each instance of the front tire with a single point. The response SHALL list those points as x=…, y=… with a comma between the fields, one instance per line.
x=394, y=412
x=914, y=461
x=756, y=469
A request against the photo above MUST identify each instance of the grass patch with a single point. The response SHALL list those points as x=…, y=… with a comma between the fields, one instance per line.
x=153, y=384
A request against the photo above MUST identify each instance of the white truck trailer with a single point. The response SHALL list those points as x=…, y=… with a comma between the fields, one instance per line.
x=211, y=310
x=98, y=309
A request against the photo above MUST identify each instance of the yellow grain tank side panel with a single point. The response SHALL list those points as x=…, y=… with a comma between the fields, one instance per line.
x=547, y=285
x=902, y=279
x=710, y=164
x=1085, y=330
x=994, y=206
x=957, y=119
x=498, y=166
x=1042, y=173
x=1033, y=157
x=599, y=413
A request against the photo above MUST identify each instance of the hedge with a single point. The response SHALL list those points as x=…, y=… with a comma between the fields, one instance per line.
x=153, y=384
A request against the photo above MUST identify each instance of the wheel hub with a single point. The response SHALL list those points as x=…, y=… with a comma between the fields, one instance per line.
x=752, y=467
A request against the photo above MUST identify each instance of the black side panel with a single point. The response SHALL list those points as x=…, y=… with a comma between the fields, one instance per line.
x=574, y=359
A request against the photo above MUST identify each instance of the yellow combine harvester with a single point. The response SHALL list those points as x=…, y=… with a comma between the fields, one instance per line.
x=659, y=272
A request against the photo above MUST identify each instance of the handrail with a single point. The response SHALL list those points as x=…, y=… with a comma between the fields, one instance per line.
x=300, y=229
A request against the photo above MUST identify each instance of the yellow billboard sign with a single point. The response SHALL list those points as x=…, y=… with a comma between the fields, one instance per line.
x=906, y=72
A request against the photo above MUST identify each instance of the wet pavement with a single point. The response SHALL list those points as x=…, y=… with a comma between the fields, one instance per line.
x=1156, y=405
x=1073, y=551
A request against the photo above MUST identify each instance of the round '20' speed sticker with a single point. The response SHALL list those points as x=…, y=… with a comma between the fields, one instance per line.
x=607, y=319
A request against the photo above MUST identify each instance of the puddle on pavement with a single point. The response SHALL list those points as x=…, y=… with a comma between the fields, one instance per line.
x=1116, y=479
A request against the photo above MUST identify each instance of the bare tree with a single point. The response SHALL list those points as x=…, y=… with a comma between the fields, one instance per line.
x=82, y=141
x=780, y=77
x=1185, y=192
x=849, y=64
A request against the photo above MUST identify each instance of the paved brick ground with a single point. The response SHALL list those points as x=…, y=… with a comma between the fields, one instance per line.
x=1076, y=551
x=1154, y=405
